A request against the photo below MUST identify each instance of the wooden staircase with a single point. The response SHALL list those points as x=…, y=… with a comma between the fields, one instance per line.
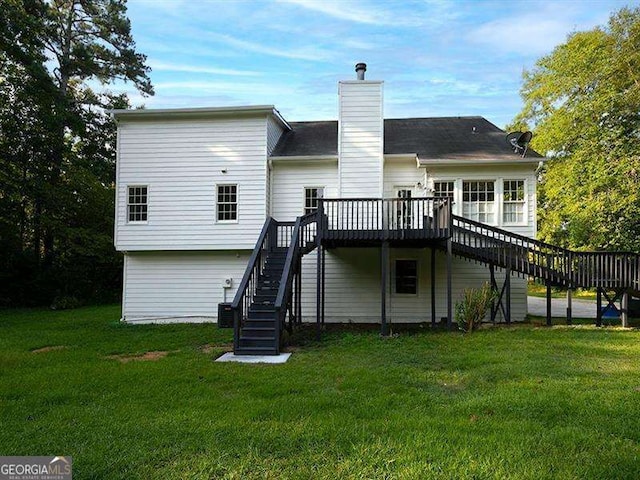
x=258, y=332
x=270, y=291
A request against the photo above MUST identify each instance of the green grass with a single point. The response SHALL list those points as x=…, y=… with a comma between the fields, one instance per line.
x=519, y=402
x=539, y=290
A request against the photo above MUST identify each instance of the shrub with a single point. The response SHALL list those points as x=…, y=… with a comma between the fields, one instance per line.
x=471, y=310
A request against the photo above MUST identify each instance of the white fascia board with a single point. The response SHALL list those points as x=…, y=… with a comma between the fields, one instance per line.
x=155, y=113
x=424, y=162
x=278, y=116
x=304, y=159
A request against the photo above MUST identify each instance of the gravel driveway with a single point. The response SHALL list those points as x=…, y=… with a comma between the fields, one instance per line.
x=579, y=308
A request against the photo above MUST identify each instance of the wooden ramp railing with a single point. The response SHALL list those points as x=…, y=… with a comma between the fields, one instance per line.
x=552, y=264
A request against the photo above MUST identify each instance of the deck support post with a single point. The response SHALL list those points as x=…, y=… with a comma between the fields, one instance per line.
x=624, y=310
x=433, y=287
x=318, y=292
x=569, y=309
x=324, y=276
x=507, y=281
x=494, y=286
x=549, y=323
x=384, y=264
x=599, y=307
x=449, y=293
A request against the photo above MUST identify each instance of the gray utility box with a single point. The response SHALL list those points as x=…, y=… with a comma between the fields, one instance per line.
x=225, y=315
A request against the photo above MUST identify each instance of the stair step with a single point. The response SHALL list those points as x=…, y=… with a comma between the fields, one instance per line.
x=260, y=323
x=267, y=332
x=261, y=308
x=257, y=342
x=261, y=315
x=256, y=351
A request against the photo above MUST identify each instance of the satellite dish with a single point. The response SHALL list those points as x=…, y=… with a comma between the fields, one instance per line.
x=519, y=141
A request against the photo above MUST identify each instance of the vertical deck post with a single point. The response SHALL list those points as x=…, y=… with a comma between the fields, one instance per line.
x=569, y=309
x=624, y=310
x=324, y=264
x=449, y=273
x=318, y=292
x=549, y=323
x=384, y=263
x=507, y=280
x=494, y=286
x=433, y=287
x=599, y=307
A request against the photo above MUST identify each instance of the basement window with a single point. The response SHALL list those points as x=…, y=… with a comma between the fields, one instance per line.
x=137, y=203
x=406, y=277
x=227, y=203
x=312, y=195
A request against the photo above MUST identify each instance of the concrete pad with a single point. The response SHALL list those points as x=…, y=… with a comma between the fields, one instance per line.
x=231, y=357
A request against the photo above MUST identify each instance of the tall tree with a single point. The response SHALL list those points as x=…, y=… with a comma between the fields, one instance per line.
x=57, y=60
x=583, y=101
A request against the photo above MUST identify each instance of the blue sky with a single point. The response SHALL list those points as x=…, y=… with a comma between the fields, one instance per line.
x=437, y=58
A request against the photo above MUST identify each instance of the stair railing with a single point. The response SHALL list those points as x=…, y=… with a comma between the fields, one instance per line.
x=302, y=230
x=556, y=265
x=247, y=288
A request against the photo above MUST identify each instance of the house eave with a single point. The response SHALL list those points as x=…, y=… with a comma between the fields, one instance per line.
x=423, y=162
x=200, y=112
x=304, y=158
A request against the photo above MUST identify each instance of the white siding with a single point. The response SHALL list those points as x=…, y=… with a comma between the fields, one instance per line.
x=179, y=285
x=182, y=161
x=353, y=286
x=402, y=173
x=274, y=132
x=289, y=181
x=360, y=139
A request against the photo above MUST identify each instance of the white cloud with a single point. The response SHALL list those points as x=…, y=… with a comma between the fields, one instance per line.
x=356, y=12
x=284, y=51
x=177, y=67
x=527, y=35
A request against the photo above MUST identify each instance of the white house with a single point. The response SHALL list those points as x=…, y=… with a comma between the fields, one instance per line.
x=195, y=186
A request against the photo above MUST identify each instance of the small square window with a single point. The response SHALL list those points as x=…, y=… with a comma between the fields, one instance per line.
x=227, y=203
x=407, y=276
x=137, y=203
x=443, y=189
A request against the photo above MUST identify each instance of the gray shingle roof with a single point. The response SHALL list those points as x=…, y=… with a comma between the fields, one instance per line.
x=431, y=138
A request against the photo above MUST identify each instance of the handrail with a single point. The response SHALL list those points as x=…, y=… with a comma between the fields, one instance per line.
x=554, y=264
x=288, y=272
x=252, y=262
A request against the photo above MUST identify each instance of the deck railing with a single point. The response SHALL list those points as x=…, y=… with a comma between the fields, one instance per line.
x=550, y=263
x=385, y=219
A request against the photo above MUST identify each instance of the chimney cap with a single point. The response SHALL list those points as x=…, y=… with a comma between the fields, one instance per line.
x=360, y=69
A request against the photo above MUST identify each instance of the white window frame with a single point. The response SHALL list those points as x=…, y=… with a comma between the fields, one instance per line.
x=128, y=213
x=453, y=191
x=404, y=219
x=218, y=203
x=395, y=276
x=495, y=209
x=320, y=190
x=525, y=207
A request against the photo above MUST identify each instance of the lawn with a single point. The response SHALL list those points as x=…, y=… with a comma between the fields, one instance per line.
x=519, y=402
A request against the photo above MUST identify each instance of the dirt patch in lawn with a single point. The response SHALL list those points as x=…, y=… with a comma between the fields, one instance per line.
x=143, y=357
x=211, y=347
x=50, y=348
